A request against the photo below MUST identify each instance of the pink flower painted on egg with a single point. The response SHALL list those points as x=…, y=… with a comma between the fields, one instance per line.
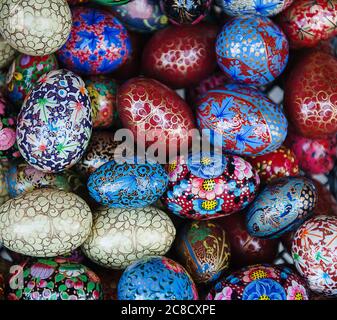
x=7, y=138
x=243, y=169
x=140, y=9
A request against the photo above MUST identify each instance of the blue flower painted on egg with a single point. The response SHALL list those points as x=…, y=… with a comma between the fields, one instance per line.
x=264, y=289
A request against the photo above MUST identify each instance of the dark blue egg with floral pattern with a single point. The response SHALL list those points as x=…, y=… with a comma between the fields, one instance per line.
x=128, y=184
x=281, y=207
x=252, y=50
x=156, y=278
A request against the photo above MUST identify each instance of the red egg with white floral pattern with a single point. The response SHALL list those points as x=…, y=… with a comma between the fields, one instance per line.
x=314, y=250
x=209, y=185
x=181, y=56
x=315, y=156
x=279, y=163
x=154, y=112
x=310, y=99
x=261, y=282
x=307, y=22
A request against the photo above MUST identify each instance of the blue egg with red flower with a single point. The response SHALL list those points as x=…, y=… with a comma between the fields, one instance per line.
x=98, y=42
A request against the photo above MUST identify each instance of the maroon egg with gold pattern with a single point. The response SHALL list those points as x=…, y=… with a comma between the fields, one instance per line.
x=202, y=247
x=181, y=56
x=310, y=99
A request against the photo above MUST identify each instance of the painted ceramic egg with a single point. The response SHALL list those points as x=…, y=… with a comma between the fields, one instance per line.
x=54, y=125
x=7, y=53
x=252, y=50
x=102, y=93
x=181, y=56
x=202, y=247
x=120, y=237
x=8, y=144
x=186, y=12
x=314, y=250
x=255, y=7
x=326, y=205
x=209, y=185
x=142, y=15
x=102, y=148
x=246, y=249
x=306, y=22
x=24, y=73
x=315, y=156
x=51, y=279
x=279, y=163
x=22, y=178
x=98, y=42
x=241, y=120
x=4, y=196
x=281, y=206
x=261, y=282
x=156, y=278
x=44, y=223
x=21, y=21
x=310, y=95
x=154, y=112
x=112, y=2
x=128, y=184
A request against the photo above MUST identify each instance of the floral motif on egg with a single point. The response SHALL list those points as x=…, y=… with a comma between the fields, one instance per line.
x=52, y=279
x=256, y=7
x=252, y=50
x=102, y=92
x=54, y=124
x=156, y=278
x=98, y=42
x=7, y=53
x=24, y=73
x=4, y=196
x=242, y=120
x=314, y=250
x=142, y=15
x=261, y=282
x=29, y=37
x=8, y=145
x=210, y=186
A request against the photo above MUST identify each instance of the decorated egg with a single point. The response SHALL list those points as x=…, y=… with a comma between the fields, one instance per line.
x=252, y=50
x=53, y=279
x=54, y=124
x=314, y=250
x=326, y=205
x=315, y=156
x=181, y=56
x=22, y=178
x=44, y=223
x=209, y=185
x=156, y=278
x=24, y=73
x=4, y=196
x=281, y=206
x=102, y=149
x=279, y=163
x=98, y=42
x=119, y=237
x=8, y=145
x=261, y=282
x=306, y=23
x=21, y=21
x=202, y=247
x=132, y=183
x=310, y=95
x=102, y=93
x=255, y=7
x=154, y=112
x=112, y=2
x=246, y=249
x=186, y=12
x=142, y=15
x=241, y=120
x=7, y=53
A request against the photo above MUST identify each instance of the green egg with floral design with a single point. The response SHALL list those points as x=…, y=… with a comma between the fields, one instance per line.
x=53, y=279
